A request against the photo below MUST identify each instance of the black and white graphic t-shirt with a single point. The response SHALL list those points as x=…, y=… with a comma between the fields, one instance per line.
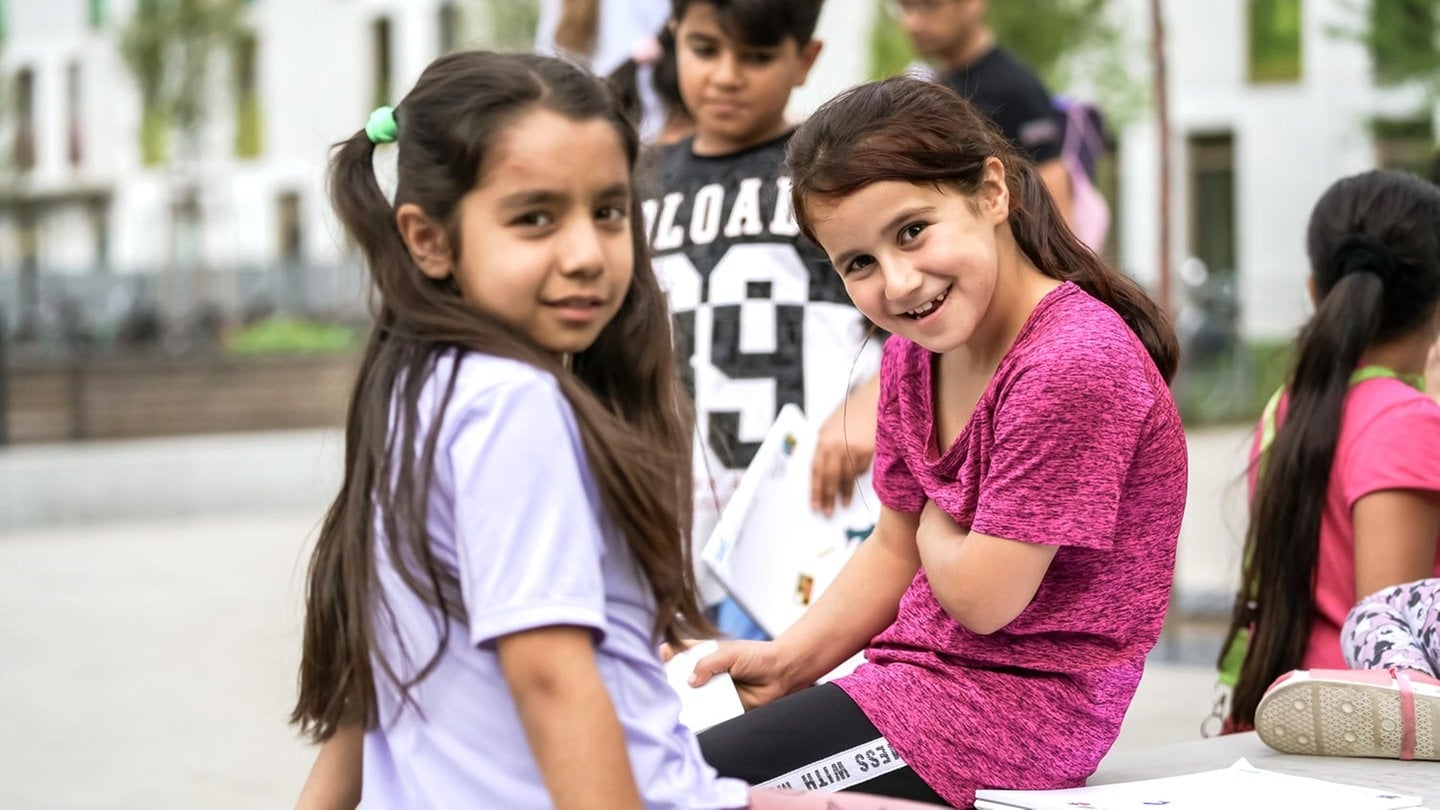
x=761, y=318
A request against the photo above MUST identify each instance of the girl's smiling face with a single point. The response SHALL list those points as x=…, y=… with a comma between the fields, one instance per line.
x=921, y=261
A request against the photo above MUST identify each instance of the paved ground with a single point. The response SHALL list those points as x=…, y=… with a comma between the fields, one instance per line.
x=151, y=601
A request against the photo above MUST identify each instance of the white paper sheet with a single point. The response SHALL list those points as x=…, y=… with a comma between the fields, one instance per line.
x=1239, y=787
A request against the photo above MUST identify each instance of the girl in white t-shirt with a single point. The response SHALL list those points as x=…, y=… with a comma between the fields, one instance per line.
x=509, y=545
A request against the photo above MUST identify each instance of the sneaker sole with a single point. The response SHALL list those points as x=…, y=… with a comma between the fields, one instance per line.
x=1339, y=719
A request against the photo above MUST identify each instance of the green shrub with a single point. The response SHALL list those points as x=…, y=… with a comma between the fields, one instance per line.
x=1233, y=387
x=291, y=336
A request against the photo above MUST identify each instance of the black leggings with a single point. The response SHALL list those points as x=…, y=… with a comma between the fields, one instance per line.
x=816, y=739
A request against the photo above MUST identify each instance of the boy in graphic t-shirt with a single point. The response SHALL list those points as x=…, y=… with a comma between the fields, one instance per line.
x=760, y=317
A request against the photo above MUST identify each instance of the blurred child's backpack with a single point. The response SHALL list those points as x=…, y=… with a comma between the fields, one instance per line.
x=1081, y=150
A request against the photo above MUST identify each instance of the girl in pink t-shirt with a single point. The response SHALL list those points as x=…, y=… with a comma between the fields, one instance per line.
x=1029, y=462
x=1347, y=470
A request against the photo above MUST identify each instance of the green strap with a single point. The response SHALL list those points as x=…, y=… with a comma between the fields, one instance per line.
x=1269, y=420
x=1416, y=381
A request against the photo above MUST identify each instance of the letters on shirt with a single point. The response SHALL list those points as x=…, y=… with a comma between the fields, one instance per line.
x=741, y=216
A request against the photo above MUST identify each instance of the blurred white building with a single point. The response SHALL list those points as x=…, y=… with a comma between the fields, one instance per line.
x=1270, y=102
x=1264, y=117
x=76, y=193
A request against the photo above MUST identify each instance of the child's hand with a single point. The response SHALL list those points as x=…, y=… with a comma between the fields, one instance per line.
x=754, y=666
x=837, y=464
x=844, y=451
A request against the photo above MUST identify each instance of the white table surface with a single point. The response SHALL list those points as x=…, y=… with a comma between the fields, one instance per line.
x=1407, y=778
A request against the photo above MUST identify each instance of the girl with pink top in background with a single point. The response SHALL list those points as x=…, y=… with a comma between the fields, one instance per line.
x=1346, y=477
x=1030, y=466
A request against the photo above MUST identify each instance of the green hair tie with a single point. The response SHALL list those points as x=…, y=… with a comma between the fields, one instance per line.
x=381, y=128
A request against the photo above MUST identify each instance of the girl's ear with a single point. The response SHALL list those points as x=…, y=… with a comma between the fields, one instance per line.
x=428, y=243
x=994, y=194
x=807, y=54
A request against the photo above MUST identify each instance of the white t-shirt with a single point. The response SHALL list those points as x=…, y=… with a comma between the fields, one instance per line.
x=516, y=515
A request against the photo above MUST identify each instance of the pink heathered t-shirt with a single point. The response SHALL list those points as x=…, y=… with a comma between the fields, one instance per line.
x=1389, y=439
x=1076, y=444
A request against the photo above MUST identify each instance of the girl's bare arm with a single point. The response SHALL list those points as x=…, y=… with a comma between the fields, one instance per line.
x=335, y=778
x=983, y=582
x=569, y=719
x=1395, y=533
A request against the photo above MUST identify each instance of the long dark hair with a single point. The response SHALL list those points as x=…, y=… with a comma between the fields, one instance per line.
x=664, y=78
x=623, y=389
x=915, y=131
x=1374, y=247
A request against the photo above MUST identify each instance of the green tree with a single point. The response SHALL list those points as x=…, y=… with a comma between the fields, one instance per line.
x=1404, y=39
x=1044, y=33
x=503, y=25
x=170, y=47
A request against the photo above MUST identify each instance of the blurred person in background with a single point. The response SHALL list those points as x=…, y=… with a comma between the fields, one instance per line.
x=1345, y=467
x=954, y=35
x=609, y=36
x=649, y=87
x=601, y=33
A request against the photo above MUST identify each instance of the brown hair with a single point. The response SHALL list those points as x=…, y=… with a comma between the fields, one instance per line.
x=915, y=131
x=1374, y=247
x=623, y=389
x=760, y=23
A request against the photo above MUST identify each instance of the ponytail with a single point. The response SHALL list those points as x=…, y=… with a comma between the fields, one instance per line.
x=1282, y=542
x=1049, y=244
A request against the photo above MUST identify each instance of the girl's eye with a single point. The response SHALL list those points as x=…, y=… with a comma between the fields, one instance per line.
x=760, y=57
x=611, y=213
x=533, y=219
x=859, y=263
x=909, y=232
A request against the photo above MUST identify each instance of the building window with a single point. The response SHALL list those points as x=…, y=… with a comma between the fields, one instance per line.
x=1275, y=40
x=380, y=60
x=292, y=243
x=1212, y=201
x=23, y=154
x=449, y=22
x=96, y=12
x=248, y=130
x=74, y=127
x=1404, y=144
